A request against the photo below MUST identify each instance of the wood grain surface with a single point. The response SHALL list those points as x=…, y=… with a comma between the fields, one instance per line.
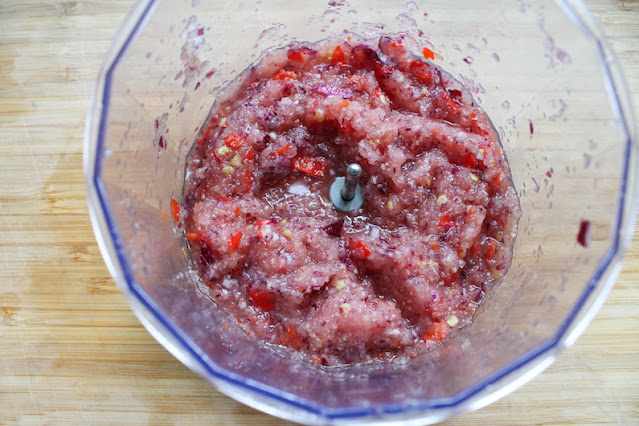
x=71, y=351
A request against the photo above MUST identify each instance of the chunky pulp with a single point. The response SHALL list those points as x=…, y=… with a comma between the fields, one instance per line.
x=390, y=280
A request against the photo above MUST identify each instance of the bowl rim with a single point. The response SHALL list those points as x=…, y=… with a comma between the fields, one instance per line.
x=291, y=407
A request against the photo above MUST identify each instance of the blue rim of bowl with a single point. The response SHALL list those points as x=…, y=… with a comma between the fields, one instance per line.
x=415, y=409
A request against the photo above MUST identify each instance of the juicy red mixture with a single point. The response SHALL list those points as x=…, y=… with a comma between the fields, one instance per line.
x=390, y=280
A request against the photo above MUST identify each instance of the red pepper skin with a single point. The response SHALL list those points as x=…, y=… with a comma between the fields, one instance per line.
x=428, y=54
x=205, y=134
x=282, y=75
x=194, y=237
x=175, y=210
x=234, y=141
x=291, y=339
x=299, y=55
x=359, y=249
x=436, y=331
x=422, y=71
x=234, y=241
x=491, y=250
x=282, y=151
x=338, y=55
x=313, y=166
x=445, y=222
x=261, y=300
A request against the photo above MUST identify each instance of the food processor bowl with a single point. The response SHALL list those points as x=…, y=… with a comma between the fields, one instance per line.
x=545, y=76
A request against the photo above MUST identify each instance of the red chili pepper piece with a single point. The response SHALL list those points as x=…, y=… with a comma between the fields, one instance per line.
x=282, y=151
x=261, y=300
x=208, y=131
x=355, y=79
x=436, y=331
x=234, y=141
x=476, y=127
x=449, y=101
x=205, y=246
x=260, y=225
x=297, y=55
x=234, y=241
x=194, y=237
x=446, y=222
x=285, y=74
x=359, y=249
x=314, y=166
x=291, y=339
x=491, y=250
x=469, y=160
x=428, y=54
x=175, y=210
x=338, y=54
x=205, y=134
x=422, y=71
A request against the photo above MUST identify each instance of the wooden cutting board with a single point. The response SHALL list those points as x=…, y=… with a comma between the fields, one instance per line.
x=70, y=348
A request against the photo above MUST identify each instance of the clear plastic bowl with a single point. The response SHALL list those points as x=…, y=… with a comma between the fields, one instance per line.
x=545, y=75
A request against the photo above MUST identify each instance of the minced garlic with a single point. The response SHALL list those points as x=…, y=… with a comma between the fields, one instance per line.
x=452, y=320
x=345, y=307
x=236, y=161
x=442, y=199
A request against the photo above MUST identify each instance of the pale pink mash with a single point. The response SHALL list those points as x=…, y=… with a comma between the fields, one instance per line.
x=390, y=280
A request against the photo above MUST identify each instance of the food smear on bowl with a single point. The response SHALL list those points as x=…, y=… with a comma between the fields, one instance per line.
x=389, y=280
x=583, y=237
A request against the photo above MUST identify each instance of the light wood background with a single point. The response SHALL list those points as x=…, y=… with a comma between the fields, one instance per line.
x=70, y=348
